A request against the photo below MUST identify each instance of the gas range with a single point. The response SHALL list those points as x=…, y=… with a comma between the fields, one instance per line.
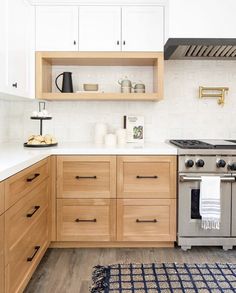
x=204, y=144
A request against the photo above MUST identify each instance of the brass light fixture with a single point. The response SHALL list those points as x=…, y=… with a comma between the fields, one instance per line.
x=214, y=92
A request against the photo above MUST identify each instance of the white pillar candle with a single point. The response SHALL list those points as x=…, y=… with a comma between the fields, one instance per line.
x=121, y=136
x=110, y=140
x=100, y=132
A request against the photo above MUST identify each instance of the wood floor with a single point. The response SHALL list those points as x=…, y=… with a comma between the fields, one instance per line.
x=69, y=270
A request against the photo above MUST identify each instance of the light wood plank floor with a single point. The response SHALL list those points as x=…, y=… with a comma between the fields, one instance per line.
x=69, y=270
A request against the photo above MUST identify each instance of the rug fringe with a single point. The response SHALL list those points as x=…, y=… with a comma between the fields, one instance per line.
x=99, y=278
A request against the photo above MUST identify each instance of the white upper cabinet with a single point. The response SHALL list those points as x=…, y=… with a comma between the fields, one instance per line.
x=17, y=48
x=99, y=28
x=202, y=19
x=56, y=28
x=142, y=28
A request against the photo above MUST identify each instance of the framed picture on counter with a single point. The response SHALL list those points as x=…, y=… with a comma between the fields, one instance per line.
x=134, y=126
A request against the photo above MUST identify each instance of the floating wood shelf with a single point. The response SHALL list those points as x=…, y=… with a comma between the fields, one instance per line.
x=46, y=60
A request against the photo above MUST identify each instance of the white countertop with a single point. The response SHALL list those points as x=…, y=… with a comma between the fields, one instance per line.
x=14, y=157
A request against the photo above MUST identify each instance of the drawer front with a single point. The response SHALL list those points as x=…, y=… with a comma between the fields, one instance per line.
x=146, y=177
x=86, y=220
x=2, y=271
x=86, y=177
x=146, y=220
x=25, y=212
x=20, y=184
x=2, y=208
x=23, y=257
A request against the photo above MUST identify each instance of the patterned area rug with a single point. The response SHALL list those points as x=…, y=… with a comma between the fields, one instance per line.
x=164, y=278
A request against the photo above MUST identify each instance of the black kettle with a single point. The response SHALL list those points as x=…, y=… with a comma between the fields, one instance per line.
x=67, y=85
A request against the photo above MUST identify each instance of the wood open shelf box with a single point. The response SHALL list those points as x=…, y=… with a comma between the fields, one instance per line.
x=46, y=60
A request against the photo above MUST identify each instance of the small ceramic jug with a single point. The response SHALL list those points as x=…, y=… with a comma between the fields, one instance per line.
x=126, y=85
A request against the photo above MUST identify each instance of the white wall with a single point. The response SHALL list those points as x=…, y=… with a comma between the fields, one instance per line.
x=180, y=115
x=4, y=120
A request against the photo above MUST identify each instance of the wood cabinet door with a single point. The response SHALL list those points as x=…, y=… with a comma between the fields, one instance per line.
x=146, y=177
x=146, y=220
x=99, y=28
x=18, y=48
x=86, y=176
x=2, y=197
x=56, y=28
x=86, y=219
x=142, y=28
x=2, y=265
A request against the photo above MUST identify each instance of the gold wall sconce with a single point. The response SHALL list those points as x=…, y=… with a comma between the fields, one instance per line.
x=214, y=92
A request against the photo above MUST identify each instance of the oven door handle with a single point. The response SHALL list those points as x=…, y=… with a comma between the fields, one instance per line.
x=188, y=179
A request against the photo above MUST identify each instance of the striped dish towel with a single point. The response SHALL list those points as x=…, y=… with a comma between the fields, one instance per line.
x=210, y=208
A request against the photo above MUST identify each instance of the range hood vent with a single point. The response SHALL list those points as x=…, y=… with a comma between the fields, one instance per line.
x=197, y=49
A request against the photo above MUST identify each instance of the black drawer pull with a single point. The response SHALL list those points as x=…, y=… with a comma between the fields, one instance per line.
x=85, y=177
x=14, y=84
x=80, y=220
x=146, y=221
x=147, y=177
x=30, y=179
x=35, y=252
x=35, y=210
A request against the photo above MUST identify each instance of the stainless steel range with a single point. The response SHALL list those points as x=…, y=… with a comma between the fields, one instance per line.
x=198, y=158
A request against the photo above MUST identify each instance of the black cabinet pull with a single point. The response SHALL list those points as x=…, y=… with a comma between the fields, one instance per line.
x=118, y=42
x=36, y=248
x=80, y=220
x=85, y=177
x=147, y=177
x=35, y=210
x=14, y=84
x=146, y=221
x=30, y=179
x=74, y=42
x=124, y=43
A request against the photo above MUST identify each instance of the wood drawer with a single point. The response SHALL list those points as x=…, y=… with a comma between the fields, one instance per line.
x=23, y=182
x=26, y=254
x=2, y=266
x=86, y=177
x=25, y=212
x=146, y=177
x=86, y=219
x=2, y=208
x=146, y=220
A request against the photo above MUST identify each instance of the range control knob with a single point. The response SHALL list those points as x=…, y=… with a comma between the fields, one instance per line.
x=232, y=167
x=200, y=163
x=189, y=163
x=220, y=164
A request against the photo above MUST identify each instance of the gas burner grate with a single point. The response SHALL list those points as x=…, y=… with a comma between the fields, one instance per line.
x=191, y=144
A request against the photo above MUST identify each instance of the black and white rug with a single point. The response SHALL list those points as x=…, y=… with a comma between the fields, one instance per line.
x=164, y=278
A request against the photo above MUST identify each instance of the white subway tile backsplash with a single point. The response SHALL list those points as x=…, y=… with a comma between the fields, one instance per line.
x=180, y=115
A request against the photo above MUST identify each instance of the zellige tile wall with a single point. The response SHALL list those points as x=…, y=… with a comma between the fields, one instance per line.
x=180, y=115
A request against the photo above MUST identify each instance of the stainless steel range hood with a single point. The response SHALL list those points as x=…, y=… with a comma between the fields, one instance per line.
x=200, y=49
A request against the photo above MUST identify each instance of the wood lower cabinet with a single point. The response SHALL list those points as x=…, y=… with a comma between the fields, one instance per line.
x=23, y=257
x=146, y=220
x=2, y=264
x=146, y=177
x=23, y=182
x=86, y=219
x=2, y=198
x=86, y=177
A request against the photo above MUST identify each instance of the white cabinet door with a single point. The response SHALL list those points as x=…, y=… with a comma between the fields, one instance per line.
x=99, y=28
x=142, y=28
x=56, y=28
x=18, y=50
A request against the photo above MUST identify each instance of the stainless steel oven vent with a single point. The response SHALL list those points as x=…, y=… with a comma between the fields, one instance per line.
x=224, y=49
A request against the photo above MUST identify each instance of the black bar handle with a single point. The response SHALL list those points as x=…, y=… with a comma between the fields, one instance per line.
x=85, y=177
x=146, y=221
x=80, y=220
x=30, y=179
x=36, y=248
x=35, y=210
x=147, y=177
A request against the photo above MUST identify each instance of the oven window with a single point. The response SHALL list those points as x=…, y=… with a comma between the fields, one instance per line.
x=195, y=204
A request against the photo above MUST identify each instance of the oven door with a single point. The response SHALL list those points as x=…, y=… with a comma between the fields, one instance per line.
x=189, y=219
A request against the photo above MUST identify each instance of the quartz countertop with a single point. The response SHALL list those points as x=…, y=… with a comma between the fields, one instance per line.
x=14, y=157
